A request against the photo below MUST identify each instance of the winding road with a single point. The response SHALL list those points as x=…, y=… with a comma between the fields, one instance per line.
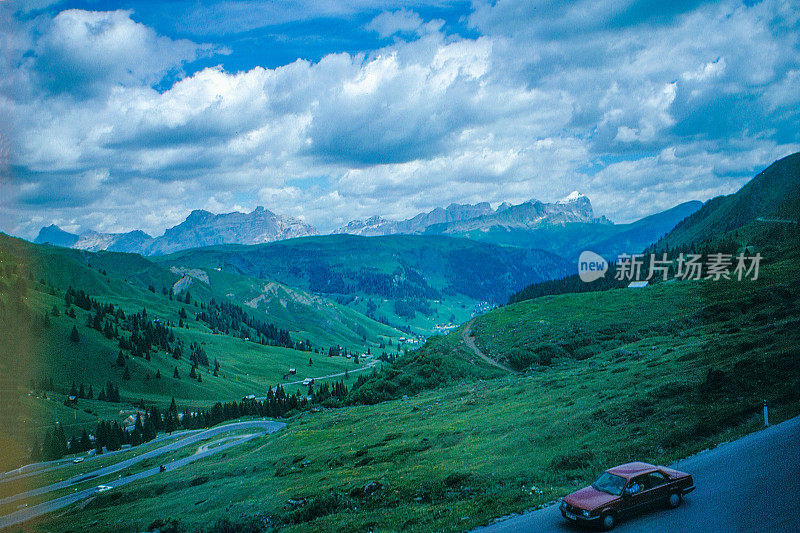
x=470, y=342
x=751, y=484
x=263, y=427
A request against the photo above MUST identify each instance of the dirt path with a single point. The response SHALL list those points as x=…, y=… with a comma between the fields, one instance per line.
x=470, y=342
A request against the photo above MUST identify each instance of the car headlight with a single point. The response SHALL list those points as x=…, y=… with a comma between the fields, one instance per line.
x=586, y=513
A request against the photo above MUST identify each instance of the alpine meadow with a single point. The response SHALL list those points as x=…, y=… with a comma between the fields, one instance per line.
x=389, y=266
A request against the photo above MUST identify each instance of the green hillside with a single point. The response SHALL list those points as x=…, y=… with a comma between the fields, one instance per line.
x=400, y=279
x=653, y=374
x=37, y=325
x=773, y=195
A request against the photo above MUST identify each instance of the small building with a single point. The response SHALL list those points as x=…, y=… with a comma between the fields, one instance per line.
x=308, y=381
x=292, y=371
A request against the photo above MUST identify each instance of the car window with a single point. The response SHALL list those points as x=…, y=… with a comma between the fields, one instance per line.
x=609, y=483
x=654, y=479
x=637, y=484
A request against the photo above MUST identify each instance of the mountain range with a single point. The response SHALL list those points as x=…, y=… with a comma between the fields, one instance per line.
x=559, y=227
x=200, y=228
x=457, y=219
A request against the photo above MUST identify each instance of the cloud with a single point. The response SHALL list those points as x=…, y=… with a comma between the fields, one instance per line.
x=104, y=115
x=389, y=23
x=401, y=107
x=82, y=52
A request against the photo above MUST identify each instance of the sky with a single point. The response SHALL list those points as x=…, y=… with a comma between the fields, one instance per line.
x=117, y=116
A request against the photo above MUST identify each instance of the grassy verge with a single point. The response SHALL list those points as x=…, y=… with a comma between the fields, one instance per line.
x=455, y=458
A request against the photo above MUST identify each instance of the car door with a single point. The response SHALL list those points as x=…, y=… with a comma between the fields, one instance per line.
x=638, y=500
x=657, y=486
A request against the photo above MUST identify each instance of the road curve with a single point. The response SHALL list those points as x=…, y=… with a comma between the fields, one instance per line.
x=470, y=342
x=48, y=466
x=751, y=484
x=17, y=517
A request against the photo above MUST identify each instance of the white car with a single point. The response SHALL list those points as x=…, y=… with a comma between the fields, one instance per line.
x=77, y=460
x=103, y=488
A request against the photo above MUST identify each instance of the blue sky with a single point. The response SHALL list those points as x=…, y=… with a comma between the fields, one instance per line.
x=127, y=115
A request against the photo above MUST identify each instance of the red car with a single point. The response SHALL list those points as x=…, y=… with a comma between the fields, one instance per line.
x=625, y=490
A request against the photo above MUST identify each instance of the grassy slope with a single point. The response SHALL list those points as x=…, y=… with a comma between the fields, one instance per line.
x=452, y=275
x=313, y=317
x=766, y=195
x=31, y=353
x=632, y=382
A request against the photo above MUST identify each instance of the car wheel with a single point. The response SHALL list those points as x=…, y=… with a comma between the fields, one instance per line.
x=608, y=521
x=674, y=500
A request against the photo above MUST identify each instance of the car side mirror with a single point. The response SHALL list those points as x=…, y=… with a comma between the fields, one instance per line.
x=626, y=494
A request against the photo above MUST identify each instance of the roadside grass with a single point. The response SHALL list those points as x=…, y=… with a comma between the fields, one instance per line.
x=652, y=375
x=453, y=458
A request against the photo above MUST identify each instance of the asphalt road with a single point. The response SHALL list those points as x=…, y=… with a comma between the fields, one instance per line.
x=49, y=466
x=751, y=484
x=265, y=426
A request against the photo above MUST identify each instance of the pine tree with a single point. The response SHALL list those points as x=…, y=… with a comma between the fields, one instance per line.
x=175, y=374
x=158, y=374
x=90, y=395
x=127, y=374
x=74, y=336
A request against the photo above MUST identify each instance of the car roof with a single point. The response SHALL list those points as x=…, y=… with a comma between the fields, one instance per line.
x=629, y=470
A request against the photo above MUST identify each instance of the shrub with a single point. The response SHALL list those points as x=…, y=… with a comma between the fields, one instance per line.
x=573, y=460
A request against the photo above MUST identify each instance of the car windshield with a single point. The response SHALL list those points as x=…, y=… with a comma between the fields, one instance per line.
x=609, y=483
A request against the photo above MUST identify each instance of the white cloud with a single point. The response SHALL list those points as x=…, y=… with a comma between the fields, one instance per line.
x=84, y=51
x=390, y=23
x=639, y=114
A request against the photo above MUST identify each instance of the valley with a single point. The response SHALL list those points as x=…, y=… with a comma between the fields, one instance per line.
x=401, y=428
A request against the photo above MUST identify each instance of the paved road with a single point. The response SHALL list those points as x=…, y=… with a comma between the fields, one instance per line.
x=265, y=426
x=371, y=364
x=751, y=484
x=470, y=342
x=48, y=466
